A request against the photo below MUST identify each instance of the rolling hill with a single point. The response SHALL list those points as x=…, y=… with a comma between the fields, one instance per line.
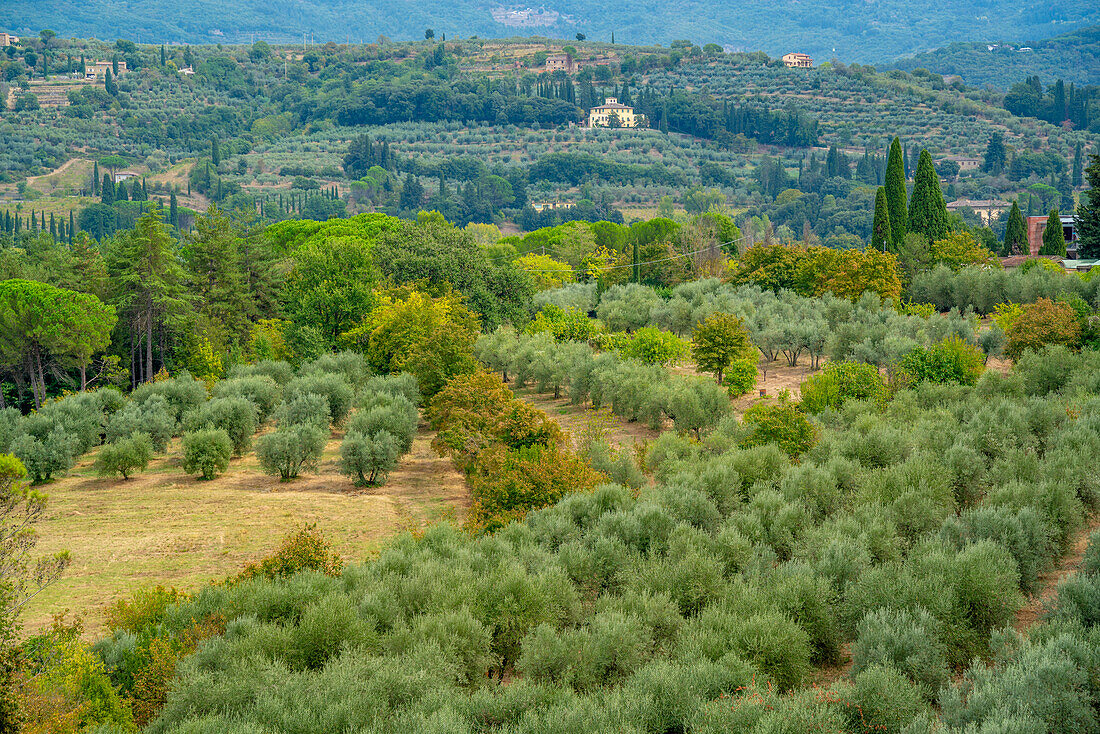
x=854, y=30
x=1072, y=57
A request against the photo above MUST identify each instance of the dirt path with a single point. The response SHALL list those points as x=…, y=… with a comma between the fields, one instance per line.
x=580, y=421
x=59, y=170
x=1032, y=612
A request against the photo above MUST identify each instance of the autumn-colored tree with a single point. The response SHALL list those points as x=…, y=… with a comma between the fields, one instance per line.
x=718, y=341
x=960, y=249
x=1041, y=323
x=852, y=273
x=545, y=272
x=431, y=338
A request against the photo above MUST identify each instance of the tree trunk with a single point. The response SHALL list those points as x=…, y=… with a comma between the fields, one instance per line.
x=83, y=377
x=149, y=345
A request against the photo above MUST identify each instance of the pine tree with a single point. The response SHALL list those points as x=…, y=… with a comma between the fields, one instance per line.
x=1087, y=220
x=927, y=210
x=1054, y=240
x=880, y=230
x=1015, y=233
x=896, y=195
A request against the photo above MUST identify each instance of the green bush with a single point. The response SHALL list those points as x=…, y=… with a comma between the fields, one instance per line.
x=782, y=424
x=43, y=458
x=740, y=377
x=840, y=382
x=650, y=345
x=235, y=416
x=9, y=427
x=279, y=371
x=309, y=408
x=884, y=700
x=388, y=418
x=183, y=393
x=951, y=360
x=696, y=405
x=907, y=641
x=206, y=452
x=125, y=456
x=402, y=384
x=368, y=459
x=333, y=387
x=290, y=450
x=262, y=390
x=152, y=417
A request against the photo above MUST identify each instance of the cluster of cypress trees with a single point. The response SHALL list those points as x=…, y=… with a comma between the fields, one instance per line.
x=895, y=217
x=59, y=229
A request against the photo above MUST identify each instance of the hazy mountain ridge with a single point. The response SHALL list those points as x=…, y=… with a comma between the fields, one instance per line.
x=856, y=30
x=1073, y=57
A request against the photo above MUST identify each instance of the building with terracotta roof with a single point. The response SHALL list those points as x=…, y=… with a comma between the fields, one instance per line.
x=798, y=61
x=986, y=209
x=602, y=116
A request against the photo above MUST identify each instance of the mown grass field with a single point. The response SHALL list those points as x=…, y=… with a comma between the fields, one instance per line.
x=165, y=527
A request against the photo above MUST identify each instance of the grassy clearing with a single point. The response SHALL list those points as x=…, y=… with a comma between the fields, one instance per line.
x=166, y=527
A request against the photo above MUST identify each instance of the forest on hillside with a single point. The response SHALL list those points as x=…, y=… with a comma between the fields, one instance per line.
x=1073, y=57
x=866, y=32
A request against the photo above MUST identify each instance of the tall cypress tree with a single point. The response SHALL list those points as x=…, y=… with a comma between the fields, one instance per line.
x=927, y=210
x=173, y=211
x=880, y=230
x=1054, y=240
x=107, y=191
x=1015, y=233
x=1087, y=221
x=1079, y=164
x=896, y=195
x=72, y=226
x=95, y=179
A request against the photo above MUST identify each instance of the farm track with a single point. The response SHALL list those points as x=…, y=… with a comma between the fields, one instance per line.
x=1032, y=612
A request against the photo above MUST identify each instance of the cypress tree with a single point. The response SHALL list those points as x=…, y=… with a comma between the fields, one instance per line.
x=880, y=230
x=53, y=227
x=95, y=179
x=927, y=210
x=173, y=211
x=1079, y=164
x=215, y=152
x=1087, y=221
x=1015, y=233
x=72, y=226
x=896, y=195
x=1054, y=240
x=163, y=60
x=107, y=195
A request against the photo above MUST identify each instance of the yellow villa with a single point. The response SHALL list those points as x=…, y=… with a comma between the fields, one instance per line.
x=601, y=116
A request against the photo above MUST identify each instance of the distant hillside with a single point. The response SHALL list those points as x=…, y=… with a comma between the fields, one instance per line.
x=853, y=30
x=1073, y=57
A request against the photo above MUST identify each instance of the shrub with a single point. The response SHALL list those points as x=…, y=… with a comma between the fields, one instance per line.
x=262, y=390
x=1041, y=323
x=905, y=640
x=740, y=377
x=182, y=394
x=718, y=342
x=206, y=452
x=304, y=549
x=650, y=345
x=9, y=427
x=333, y=387
x=290, y=450
x=782, y=424
x=125, y=456
x=367, y=459
x=388, y=418
x=697, y=405
x=279, y=371
x=312, y=409
x=951, y=360
x=153, y=418
x=235, y=416
x=402, y=384
x=885, y=701
x=840, y=382
x=775, y=646
x=45, y=457
x=351, y=365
